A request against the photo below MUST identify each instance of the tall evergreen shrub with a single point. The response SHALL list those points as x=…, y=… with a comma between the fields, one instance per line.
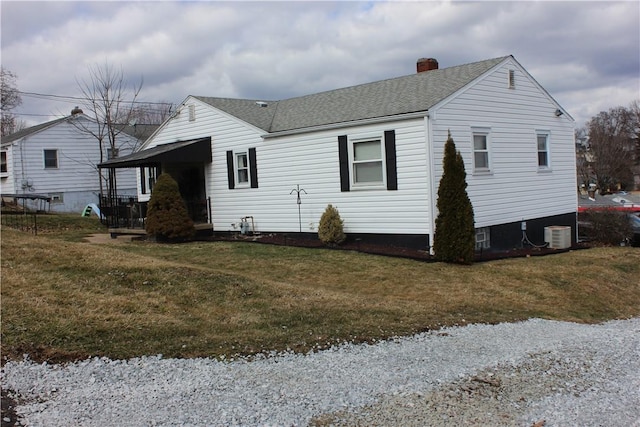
x=167, y=216
x=331, y=227
x=454, y=239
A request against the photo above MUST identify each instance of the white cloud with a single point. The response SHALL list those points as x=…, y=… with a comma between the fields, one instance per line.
x=586, y=54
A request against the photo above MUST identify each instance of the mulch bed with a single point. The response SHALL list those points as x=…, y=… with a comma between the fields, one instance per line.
x=380, y=249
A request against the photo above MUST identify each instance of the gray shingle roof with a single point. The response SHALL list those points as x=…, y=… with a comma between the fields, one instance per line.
x=245, y=109
x=401, y=95
x=141, y=131
x=31, y=130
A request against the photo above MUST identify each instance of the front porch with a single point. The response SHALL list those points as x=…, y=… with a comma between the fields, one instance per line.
x=125, y=215
x=185, y=161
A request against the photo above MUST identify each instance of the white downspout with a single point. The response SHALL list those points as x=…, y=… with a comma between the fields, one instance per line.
x=432, y=182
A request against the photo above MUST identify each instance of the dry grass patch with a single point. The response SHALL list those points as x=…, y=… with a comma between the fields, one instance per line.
x=64, y=299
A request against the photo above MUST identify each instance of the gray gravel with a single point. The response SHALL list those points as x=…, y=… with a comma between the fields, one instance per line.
x=514, y=374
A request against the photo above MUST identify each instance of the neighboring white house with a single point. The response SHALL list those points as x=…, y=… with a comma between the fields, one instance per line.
x=375, y=152
x=58, y=160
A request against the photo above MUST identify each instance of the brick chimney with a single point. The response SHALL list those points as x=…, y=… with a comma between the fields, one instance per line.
x=426, y=64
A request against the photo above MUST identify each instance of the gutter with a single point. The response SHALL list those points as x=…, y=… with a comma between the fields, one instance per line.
x=432, y=183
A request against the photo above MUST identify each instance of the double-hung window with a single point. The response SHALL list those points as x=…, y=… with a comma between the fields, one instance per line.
x=543, y=150
x=50, y=159
x=242, y=169
x=481, y=152
x=368, y=162
x=112, y=153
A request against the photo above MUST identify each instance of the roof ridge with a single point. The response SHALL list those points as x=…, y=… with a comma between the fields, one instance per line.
x=388, y=97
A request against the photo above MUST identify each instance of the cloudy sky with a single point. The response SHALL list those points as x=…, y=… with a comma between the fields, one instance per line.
x=586, y=54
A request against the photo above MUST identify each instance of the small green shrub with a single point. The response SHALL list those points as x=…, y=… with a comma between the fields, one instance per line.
x=331, y=227
x=167, y=216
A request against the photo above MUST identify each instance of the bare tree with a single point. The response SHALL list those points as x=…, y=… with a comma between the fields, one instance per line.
x=611, y=144
x=151, y=113
x=110, y=103
x=10, y=99
x=584, y=158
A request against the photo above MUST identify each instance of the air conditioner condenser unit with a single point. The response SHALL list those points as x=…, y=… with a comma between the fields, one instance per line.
x=558, y=237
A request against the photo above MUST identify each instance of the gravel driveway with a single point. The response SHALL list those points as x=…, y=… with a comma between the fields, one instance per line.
x=511, y=374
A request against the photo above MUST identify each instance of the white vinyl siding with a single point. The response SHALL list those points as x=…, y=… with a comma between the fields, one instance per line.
x=75, y=178
x=514, y=189
x=309, y=160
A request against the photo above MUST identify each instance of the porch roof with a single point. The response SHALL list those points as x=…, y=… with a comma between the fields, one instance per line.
x=191, y=151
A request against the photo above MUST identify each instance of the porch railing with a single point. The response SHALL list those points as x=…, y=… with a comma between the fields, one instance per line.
x=128, y=212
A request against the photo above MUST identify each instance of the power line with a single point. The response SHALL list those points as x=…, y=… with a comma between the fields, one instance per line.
x=76, y=98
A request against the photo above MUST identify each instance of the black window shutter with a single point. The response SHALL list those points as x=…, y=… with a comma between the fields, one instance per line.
x=230, y=173
x=253, y=168
x=143, y=179
x=343, y=155
x=390, y=153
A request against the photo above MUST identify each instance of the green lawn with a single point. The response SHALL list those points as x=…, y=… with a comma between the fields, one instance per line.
x=63, y=298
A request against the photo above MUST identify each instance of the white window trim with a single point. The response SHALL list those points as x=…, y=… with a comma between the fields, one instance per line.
x=487, y=133
x=44, y=162
x=236, y=169
x=547, y=134
x=192, y=112
x=352, y=168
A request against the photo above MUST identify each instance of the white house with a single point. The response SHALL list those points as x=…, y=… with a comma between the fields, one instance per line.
x=58, y=160
x=375, y=152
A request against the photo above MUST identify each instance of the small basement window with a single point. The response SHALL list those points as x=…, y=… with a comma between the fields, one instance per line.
x=483, y=238
x=56, y=198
